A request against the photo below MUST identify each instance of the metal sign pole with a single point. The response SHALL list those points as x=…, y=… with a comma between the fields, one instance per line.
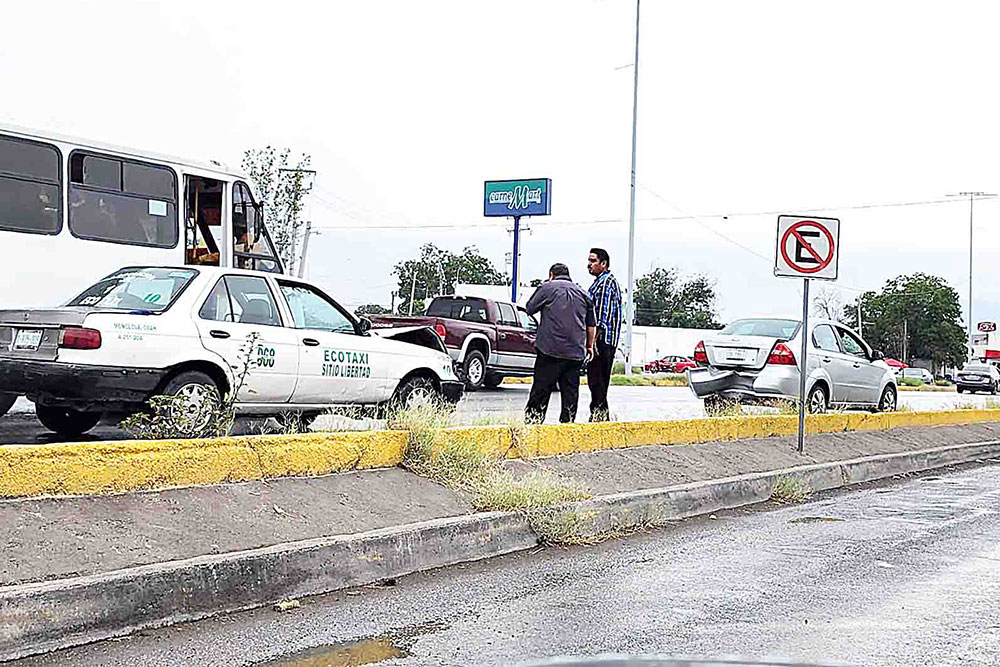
x=804, y=370
x=513, y=271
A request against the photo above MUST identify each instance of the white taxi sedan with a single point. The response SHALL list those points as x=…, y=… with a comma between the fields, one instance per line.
x=181, y=331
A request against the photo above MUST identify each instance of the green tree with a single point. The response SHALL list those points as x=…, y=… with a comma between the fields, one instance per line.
x=436, y=271
x=281, y=187
x=926, y=307
x=663, y=299
x=372, y=309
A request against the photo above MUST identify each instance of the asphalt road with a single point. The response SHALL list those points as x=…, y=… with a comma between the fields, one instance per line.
x=904, y=574
x=627, y=404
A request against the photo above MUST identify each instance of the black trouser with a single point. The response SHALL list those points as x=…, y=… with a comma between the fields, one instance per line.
x=551, y=372
x=599, y=379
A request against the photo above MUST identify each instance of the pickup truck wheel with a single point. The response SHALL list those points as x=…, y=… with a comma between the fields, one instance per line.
x=493, y=380
x=6, y=403
x=67, y=422
x=474, y=370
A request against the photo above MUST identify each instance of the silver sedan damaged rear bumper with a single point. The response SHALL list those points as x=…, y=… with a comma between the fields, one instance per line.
x=746, y=386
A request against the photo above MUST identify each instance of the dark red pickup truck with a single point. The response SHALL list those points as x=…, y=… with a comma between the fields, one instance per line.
x=489, y=340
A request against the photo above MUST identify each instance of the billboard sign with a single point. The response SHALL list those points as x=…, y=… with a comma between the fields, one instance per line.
x=516, y=198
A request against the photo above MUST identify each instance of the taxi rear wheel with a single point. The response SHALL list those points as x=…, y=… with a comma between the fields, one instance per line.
x=66, y=421
x=197, y=405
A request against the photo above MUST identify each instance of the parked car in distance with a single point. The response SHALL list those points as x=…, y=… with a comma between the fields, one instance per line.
x=757, y=361
x=489, y=340
x=280, y=344
x=921, y=374
x=670, y=364
x=978, y=377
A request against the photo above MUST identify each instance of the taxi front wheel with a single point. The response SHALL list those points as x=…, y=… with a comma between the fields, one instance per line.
x=66, y=422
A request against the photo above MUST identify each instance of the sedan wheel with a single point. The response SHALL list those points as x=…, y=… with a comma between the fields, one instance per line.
x=887, y=403
x=817, y=401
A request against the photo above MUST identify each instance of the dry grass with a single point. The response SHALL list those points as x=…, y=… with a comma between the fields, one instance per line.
x=461, y=466
x=789, y=490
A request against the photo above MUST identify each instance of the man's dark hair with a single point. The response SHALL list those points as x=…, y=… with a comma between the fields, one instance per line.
x=602, y=256
x=559, y=269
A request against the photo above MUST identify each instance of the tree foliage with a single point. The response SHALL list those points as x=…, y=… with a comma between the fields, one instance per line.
x=281, y=187
x=664, y=299
x=436, y=271
x=932, y=313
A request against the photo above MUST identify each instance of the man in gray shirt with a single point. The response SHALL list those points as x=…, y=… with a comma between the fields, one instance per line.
x=565, y=341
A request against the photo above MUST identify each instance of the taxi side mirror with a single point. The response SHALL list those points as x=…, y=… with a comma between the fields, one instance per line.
x=364, y=325
x=877, y=355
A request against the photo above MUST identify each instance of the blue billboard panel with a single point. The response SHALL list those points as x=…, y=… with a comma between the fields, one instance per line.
x=516, y=198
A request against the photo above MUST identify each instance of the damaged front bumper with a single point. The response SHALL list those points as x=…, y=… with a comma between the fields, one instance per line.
x=747, y=386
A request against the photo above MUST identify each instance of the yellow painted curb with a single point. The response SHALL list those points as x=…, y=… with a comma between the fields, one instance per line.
x=118, y=467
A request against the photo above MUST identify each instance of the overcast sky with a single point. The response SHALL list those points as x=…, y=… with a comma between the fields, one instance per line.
x=407, y=107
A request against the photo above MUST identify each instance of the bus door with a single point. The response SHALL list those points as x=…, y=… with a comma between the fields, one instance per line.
x=204, y=242
x=252, y=246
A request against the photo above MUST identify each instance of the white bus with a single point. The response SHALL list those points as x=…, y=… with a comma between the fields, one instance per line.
x=73, y=211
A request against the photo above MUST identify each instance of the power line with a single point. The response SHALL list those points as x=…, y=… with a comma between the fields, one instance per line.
x=609, y=221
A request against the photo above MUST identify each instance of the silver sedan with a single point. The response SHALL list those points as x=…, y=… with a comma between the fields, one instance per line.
x=757, y=361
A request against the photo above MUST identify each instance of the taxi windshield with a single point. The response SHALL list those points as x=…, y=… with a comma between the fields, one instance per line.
x=150, y=290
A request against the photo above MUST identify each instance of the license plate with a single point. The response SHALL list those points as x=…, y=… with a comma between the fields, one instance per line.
x=973, y=378
x=27, y=339
x=739, y=354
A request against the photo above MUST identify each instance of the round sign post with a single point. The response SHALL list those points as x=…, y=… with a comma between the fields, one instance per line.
x=807, y=248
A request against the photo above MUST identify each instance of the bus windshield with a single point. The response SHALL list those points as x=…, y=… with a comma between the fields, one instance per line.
x=151, y=290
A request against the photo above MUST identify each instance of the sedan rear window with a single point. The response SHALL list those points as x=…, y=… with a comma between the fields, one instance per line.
x=144, y=289
x=770, y=328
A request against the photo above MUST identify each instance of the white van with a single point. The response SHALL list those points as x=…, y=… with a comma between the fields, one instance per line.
x=74, y=210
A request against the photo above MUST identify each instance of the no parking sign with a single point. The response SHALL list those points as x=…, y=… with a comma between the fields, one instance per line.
x=807, y=247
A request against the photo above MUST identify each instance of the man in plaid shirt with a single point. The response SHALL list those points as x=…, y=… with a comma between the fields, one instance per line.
x=607, y=297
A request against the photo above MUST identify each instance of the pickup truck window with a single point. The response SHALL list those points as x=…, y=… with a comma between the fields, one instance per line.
x=527, y=321
x=507, y=315
x=470, y=310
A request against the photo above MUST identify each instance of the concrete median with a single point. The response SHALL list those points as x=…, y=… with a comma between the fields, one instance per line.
x=119, y=467
x=49, y=615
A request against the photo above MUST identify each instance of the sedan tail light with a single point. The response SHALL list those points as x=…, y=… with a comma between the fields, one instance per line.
x=781, y=355
x=440, y=329
x=78, y=338
x=699, y=353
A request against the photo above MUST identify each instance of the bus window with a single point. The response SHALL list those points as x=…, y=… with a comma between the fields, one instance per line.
x=121, y=201
x=251, y=243
x=203, y=220
x=30, y=187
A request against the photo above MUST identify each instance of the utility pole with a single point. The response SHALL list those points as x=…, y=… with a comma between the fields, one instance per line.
x=906, y=341
x=305, y=247
x=972, y=198
x=860, y=323
x=413, y=289
x=630, y=304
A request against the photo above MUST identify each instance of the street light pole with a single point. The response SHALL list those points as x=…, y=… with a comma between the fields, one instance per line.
x=972, y=199
x=630, y=303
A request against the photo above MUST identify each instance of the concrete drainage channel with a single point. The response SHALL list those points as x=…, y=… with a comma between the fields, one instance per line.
x=46, y=616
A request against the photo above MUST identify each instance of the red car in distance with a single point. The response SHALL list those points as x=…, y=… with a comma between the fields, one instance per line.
x=670, y=364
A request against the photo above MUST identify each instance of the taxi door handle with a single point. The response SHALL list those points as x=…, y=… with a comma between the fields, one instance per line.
x=826, y=360
x=311, y=342
x=216, y=333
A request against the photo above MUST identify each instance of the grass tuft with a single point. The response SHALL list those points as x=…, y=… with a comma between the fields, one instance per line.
x=789, y=490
